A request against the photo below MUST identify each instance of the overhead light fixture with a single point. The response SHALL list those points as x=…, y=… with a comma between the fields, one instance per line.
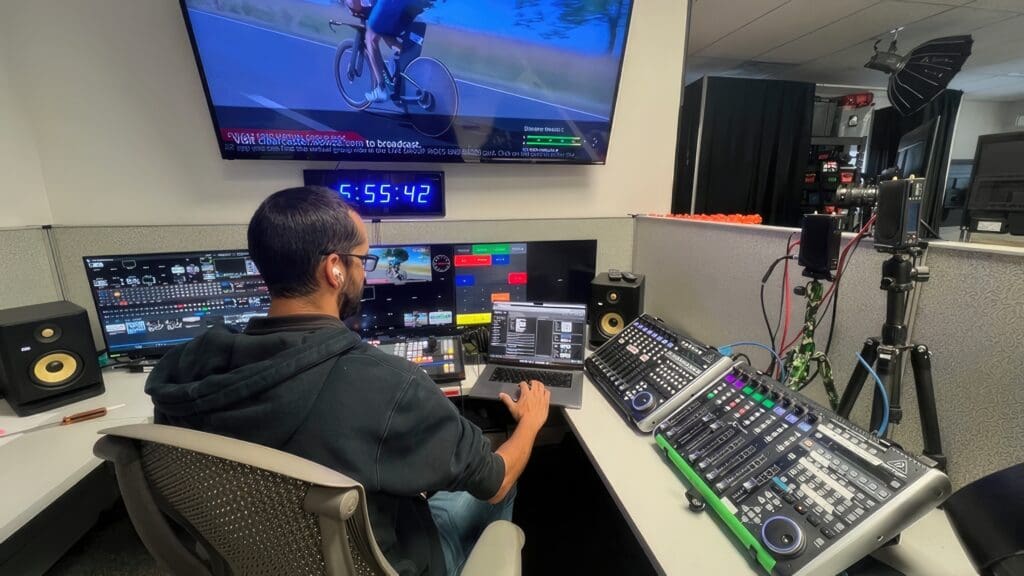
x=917, y=78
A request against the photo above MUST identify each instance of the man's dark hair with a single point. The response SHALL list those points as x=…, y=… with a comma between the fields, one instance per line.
x=293, y=230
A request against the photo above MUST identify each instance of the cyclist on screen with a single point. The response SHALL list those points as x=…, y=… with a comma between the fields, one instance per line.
x=385, y=20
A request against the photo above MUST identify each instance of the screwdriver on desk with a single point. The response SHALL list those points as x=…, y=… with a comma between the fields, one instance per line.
x=69, y=419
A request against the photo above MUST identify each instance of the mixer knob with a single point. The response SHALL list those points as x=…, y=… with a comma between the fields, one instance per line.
x=782, y=536
x=643, y=401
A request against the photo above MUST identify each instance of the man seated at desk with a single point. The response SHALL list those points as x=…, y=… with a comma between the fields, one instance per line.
x=300, y=381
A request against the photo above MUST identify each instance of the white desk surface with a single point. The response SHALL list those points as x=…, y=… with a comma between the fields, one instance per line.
x=40, y=466
x=652, y=499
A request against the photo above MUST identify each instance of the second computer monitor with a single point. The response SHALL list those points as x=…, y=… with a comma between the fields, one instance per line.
x=440, y=288
x=148, y=303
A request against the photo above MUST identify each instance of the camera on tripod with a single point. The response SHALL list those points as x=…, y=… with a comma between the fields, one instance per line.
x=850, y=196
x=898, y=214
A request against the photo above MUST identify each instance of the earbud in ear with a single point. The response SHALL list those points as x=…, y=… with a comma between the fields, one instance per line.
x=337, y=276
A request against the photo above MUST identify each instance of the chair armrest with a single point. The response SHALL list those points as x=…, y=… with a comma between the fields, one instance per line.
x=498, y=552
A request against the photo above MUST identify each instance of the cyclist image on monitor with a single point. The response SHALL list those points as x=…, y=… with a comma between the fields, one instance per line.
x=411, y=80
x=423, y=88
x=400, y=265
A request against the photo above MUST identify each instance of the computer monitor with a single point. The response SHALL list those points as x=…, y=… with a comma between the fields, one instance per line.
x=539, y=333
x=148, y=303
x=998, y=182
x=913, y=150
x=420, y=289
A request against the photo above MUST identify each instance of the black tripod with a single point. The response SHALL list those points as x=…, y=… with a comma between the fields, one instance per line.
x=899, y=275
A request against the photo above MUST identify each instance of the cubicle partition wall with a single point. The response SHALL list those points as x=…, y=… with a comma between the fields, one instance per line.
x=28, y=275
x=704, y=278
x=614, y=242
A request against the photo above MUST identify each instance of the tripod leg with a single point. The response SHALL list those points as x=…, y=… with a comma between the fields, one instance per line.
x=860, y=374
x=921, y=361
x=888, y=368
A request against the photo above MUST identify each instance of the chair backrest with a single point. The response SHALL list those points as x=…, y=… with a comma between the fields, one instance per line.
x=207, y=504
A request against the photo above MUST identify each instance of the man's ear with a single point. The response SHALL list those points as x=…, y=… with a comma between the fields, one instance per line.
x=334, y=271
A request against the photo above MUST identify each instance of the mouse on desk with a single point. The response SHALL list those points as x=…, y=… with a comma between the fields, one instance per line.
x=431, y=344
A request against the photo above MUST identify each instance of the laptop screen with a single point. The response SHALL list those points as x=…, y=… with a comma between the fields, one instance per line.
x=538, y=333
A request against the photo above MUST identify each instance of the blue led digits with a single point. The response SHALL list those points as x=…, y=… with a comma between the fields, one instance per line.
x=385, y=194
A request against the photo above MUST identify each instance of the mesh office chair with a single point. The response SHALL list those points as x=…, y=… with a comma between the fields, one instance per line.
x=239, y=508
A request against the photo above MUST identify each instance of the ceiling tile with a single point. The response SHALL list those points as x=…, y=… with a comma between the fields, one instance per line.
x=952, y=23
x=713, y=19
x=869, y=23
x=784, y=24
x=1012, y=5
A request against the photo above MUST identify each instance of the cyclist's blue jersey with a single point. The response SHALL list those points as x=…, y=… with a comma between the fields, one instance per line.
x=392, y=17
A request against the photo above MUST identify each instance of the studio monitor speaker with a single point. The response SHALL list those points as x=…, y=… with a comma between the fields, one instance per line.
x=613, y=305
x=47, y=357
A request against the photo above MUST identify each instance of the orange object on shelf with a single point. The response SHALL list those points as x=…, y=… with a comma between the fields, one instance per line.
x=730, y=218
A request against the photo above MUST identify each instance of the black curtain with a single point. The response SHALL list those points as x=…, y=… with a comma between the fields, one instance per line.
x=753, y=150
x=686, y=142
x=888, y=126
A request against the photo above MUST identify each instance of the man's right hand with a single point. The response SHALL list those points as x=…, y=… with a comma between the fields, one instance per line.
x=531, y=408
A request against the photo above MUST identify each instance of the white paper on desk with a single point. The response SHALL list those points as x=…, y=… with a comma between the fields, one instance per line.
x=13, y=424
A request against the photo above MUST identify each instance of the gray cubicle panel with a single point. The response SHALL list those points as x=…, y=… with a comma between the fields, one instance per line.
x=27, y=276
x=971, y=316
x=704, y=279
x=614, y=242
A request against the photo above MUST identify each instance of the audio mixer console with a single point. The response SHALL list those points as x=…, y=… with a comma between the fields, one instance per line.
x=440, y=357
x=648, y=370
x=805, y=491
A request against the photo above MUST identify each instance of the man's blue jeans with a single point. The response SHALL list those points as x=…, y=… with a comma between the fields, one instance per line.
x=460, y=520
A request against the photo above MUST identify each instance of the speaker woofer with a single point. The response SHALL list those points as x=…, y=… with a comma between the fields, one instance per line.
x=611, y=324
x=56, y=369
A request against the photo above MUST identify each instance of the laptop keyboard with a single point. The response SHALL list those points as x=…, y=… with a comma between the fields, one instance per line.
x=550, y=378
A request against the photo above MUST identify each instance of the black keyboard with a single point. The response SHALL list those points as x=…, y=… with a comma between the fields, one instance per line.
x=550, y=378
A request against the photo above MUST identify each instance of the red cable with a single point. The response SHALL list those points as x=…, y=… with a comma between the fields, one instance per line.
x=785, y=290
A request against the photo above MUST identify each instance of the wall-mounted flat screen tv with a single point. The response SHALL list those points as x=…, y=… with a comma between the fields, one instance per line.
x=411, y=80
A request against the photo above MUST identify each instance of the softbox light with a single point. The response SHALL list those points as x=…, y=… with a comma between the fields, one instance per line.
x=918, y=77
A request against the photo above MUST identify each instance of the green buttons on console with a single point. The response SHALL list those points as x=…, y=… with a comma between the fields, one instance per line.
x=748, y=390
x=768, y=403
x=758, y=397
x=711, y=395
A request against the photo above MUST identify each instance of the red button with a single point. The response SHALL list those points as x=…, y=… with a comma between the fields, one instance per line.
x=463, y=260
x=517, y=278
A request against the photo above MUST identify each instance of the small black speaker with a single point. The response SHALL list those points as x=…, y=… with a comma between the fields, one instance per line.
x=820, y=237
x=899, y=213
x=613, y=304
x=47, y=357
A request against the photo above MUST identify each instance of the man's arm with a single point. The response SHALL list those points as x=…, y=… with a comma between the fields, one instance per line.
x=530, y=413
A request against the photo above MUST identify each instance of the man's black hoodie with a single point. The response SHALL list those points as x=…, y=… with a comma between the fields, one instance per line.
x=309, y=386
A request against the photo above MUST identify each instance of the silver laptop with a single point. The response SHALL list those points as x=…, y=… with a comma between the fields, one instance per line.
x=536, y=341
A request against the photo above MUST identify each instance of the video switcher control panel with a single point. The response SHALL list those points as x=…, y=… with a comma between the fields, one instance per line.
x=439, y=356
x=648, y=370
x=805, y=491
